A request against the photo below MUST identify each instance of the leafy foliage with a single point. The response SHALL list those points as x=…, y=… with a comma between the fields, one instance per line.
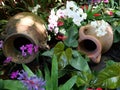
x=109, y=77
x=72, y=36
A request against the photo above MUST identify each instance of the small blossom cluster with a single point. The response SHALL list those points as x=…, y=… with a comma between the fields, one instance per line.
x=71, y=10
x=100, y=27
x=35, y=9
x=32, y=82
x=7, y=60
x=98, y=1
x=28, y=49
x=1, y=44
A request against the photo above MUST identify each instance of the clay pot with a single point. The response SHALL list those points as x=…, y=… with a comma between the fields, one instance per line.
x=24, y=28
x=93, y=45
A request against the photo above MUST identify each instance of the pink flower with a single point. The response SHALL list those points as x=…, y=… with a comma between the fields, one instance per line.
x=109, y=13
x=106, y=1
x=60, y=13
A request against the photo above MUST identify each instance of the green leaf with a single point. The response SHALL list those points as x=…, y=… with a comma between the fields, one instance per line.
x=54, y=73
x=59, y=47
x=72, y=36
x=62, y=61
x=112, y=3
x=68, y=53
x=63, y=56
x=49, y=85
x=26, y=68
x=79, y=63
x=1, y=84
x=117, y=13
x=116, y=36
x=69, y=84
x=39, y=73
x=109, y=77
x=84, y=78
x=48, y=53
x=13, y=85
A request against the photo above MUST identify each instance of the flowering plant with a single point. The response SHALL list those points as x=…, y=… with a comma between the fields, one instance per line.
x=63, y=18
x=65, y=64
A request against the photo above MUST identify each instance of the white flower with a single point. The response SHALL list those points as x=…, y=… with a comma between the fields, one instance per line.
x=71, y=11
x=100, y=27
x=56, y=30
x=77, y=20
x=60, y=13
x=71, y=5
x=35, y=9
x=84, y=15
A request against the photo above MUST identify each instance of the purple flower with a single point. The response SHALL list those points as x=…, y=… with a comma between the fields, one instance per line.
x=36, y=49
x=32, y=82
x=29, y=48
x=14, y=74
x=8, y=60
x=23, y=49
x=1, y=43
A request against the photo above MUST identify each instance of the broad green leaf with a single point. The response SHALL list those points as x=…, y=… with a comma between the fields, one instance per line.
x=59, y=47
x=109, y=77
x=13, y=85
x=54, y=73
x=72, y=36
x=62, y=60
x=48, y=53
x=69, y=84
x=63, y=56
x=84, y=78
x=79, y=63
x=27, y=69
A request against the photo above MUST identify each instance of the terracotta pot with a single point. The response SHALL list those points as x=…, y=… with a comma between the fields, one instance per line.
x=24, y=28
x=92, y=44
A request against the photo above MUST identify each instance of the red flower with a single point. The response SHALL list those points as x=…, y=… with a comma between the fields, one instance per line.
x=90, y=89
x=97, y=14
x=61, y=37
x=84, y=7
x=99, y=89
x=60, y=23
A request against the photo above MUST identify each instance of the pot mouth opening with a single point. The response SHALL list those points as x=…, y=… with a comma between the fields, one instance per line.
x=11, y=47
x=87, y=45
